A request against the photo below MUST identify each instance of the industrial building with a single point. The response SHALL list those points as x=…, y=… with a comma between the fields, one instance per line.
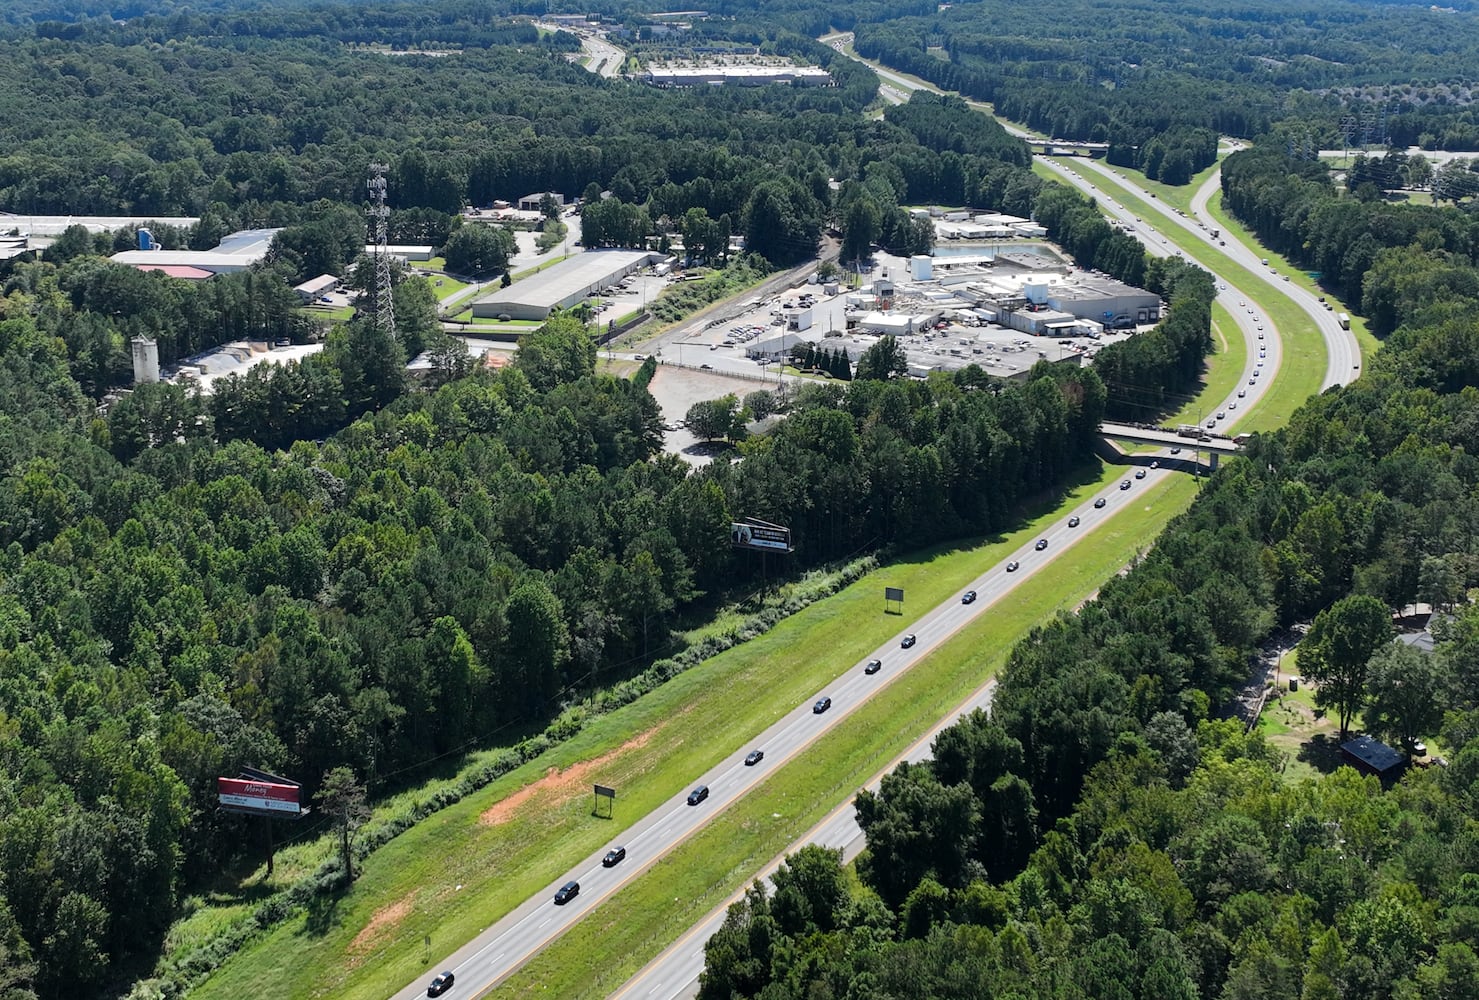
x=55, y=225
x=314, y=288
x=237, y=252
x=535, y=202
x=744, y=76
x=564, y=285
x=1104, y=300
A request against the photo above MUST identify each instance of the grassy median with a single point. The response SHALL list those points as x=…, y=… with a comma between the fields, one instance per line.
x=1303, y=367
x=626, y=931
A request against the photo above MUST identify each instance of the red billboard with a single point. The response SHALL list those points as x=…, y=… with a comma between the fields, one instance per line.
x=257, y=796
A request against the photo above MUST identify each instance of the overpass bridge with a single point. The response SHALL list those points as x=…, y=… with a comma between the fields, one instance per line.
x=1067, y=147
x=1216, y=445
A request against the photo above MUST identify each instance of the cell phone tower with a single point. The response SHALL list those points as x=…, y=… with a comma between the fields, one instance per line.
x=382, y=303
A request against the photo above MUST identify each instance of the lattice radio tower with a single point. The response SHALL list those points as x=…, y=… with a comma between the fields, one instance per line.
x=382, y=304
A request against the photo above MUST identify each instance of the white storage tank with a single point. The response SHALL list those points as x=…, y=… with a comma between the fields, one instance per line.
x=922, y=267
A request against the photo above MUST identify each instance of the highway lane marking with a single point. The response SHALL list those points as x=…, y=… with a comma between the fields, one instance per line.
x=808, y=837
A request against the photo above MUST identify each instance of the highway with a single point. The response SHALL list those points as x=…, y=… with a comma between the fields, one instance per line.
x=674, y=973
x=1265, y=350
x=1343, y=352
x=503, y=948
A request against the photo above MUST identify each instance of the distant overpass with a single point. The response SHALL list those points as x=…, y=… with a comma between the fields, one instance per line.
x=1214, y=444
x=1066, y=147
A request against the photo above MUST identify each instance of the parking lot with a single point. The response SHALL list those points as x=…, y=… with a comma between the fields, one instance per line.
x=676, y=389
x=946, y=344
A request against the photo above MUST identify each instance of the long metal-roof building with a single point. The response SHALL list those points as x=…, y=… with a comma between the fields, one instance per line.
x=563, y=285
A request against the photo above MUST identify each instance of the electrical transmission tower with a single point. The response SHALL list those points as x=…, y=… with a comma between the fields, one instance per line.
x=382, y=303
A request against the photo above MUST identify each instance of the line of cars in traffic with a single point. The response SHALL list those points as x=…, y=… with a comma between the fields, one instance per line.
x=1073, y=522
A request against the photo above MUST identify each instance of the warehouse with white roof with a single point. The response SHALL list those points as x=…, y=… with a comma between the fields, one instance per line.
x=562, y=286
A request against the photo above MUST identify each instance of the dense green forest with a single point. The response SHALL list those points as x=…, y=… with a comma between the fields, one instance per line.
x=1098, y=836
x=323, y=565
x=1159, y=84
x=1388, y=261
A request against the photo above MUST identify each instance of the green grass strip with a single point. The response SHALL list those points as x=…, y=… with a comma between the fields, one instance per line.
x=629, y=929
x=1177, y=196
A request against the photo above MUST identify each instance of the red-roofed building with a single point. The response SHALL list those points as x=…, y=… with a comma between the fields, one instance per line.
x=184, y=271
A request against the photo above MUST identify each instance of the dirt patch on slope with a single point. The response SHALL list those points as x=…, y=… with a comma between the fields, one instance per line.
x=382, y=923
x=560, y=786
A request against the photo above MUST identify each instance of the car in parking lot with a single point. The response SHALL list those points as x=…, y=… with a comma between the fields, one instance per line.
x=441, y=984
x=873, y=667
x=822, y=704
x=907, y=641
x=1073, y=521
x=1124, y=484
x=698, y=795
x=567, y=892
x=614, y=857
x=969, y=597
x=1099, y=504
x=754, y=757
x=1042, y=543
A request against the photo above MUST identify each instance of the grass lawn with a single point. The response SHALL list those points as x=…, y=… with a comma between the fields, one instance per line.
x=629, y=929
x=1292, y=724
x=342, y=314
x=1177, y=196
x=466, y=866
x=443, y=286
x=551, y=262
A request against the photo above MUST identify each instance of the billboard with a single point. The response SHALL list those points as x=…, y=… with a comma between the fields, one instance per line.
x=760, y=536
x=257, y=796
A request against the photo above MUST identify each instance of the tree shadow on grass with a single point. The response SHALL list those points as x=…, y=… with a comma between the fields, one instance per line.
x=322, y=915
x=1322, y=752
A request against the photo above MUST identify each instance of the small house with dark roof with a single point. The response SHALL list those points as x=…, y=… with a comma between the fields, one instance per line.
x=1371, y=756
